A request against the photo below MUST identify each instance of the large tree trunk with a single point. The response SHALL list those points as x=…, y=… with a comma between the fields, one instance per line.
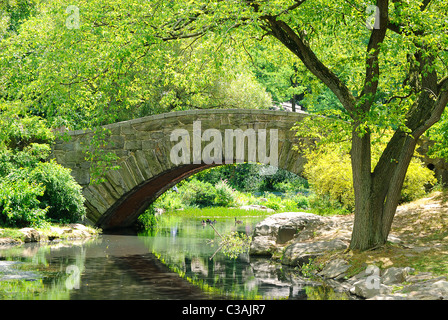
x=378, y=193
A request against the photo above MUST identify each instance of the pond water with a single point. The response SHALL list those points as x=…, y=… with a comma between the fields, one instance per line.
x=173, y=261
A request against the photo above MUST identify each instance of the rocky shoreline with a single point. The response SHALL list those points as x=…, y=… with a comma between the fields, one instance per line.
x=298, y=239
x=74, y=231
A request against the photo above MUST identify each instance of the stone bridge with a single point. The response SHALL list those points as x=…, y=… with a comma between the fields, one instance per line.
x=156, y=152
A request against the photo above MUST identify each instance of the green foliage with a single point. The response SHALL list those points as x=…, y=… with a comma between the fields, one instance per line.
x=225, y=196
x=232, y=244
x=417, y=179
x=13, y=13
x=195, y=193
x=96, y=153
x=214, y=212
x=19, y=130
x=19, y=200
x=32, y=189
x=148, y=219
x=125, y=67
x=201, y=194
x=62, y=195
x=438, y=134
x=273, y=202
x=302, y=202
x=330, y=176
x=32, y=195
x=248, y=177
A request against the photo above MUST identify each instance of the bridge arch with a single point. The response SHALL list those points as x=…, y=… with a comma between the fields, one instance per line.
x=148, y=166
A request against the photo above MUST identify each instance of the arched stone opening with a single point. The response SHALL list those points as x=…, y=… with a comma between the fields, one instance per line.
x=126, y=211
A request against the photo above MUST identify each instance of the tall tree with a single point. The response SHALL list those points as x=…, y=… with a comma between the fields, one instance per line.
x=402, y=54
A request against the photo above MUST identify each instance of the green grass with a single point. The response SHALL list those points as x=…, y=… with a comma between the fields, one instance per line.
x=10, y=233
x=217, y=212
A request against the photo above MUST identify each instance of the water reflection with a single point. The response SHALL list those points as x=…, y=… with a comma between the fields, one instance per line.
x=110, y=267
x=188, y=253
x=170, y=262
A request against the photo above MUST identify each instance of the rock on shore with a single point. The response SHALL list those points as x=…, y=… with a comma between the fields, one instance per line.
x=286, y=233
x=295, y=238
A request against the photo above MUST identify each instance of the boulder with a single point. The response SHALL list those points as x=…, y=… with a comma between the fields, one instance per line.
x=433, y=289
x=365, y=289
x=262, y=246
x=301, y=252
x=334, y=268
x=296, y=220
x=394, y=275
x=30, y=235
x=277, y=230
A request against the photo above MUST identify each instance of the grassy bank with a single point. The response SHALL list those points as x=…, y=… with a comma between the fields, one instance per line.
x=217, y=212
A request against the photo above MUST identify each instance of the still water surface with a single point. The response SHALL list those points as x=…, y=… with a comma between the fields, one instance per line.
x=173, y=261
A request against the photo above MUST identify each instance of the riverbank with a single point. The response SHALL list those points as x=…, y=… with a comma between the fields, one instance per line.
x=412, y=265
x=74, y=231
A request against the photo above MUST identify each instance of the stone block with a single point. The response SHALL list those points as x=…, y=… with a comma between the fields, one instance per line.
x=142, y=164
x=115, y=142
x=133, y=145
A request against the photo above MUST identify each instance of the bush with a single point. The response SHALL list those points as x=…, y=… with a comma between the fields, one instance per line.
x=31, y=196
x=33, y=191
x=417, y=178
x=62, y=194
x=330, y=178
x=302, y=202
x=19, y=204
x=225, y=196
x=170, y=200
x=198, y=193
x=148, y=219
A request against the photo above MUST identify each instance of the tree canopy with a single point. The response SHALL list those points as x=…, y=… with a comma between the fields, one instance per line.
x=86, y=63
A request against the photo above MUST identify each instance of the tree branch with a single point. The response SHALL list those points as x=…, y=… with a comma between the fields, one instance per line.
x=439, y=106
x=372, y=62
x=284, y=33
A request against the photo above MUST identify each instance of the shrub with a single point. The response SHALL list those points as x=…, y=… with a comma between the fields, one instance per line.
x=170, y=200
x=301, y=201
x=417, y=178
x=330, y=176
x=33, y=191
x=225, y=196
x=62, y=194
x=19, y=204
x=147, y=219
x=198, y=193
x=273, y=202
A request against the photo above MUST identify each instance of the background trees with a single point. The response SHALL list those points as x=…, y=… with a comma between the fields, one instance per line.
x=106, y=62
